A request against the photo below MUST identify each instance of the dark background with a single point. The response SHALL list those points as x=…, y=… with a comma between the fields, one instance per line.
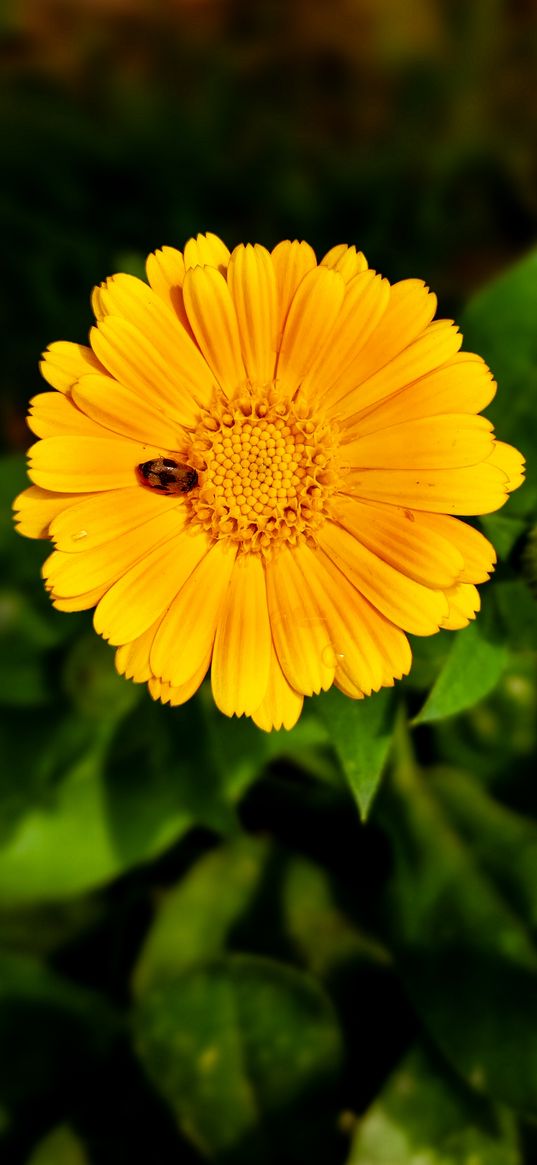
x=407, y=128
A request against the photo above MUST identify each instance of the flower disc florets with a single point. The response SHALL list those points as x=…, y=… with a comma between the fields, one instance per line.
x=266, y=468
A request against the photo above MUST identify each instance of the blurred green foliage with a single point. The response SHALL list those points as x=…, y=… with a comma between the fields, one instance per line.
x=217, y=945
x=423, y=1115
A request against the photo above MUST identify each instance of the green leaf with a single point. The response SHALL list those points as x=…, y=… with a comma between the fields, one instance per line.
x=60, y=1147
x=26, y=634
x=39, y=929
x=194, y=919
x=360, y=732
x=57, y=838
x=429, y=657
x=323, y=935
x=53, y=1029
x=424, y=1116
x=472, y=670
x=118, y=780
x=497, y=738
x=92, y=687
x=504, y=843
x=239, y=750
x=517, y=610
x=503, y=530
x=250, y=891
x=529, y=561
x=499, y=324
x=102, y=817
x=465, y=956
x=246, y=1051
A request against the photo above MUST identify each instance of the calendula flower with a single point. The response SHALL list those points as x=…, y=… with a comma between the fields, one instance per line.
x=255, y=469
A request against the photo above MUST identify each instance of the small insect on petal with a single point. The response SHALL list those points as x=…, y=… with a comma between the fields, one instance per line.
x=166, y=476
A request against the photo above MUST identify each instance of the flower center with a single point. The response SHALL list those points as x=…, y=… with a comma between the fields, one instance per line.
x=265, y=470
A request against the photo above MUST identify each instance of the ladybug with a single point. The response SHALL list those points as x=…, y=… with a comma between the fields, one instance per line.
x=166, y=476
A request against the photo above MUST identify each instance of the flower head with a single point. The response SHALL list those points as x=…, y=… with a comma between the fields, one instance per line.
x=255, y=468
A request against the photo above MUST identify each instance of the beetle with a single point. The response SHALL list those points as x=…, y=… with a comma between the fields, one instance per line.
x=166, y=476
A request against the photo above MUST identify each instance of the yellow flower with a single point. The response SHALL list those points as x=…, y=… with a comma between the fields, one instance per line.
x=255, y=467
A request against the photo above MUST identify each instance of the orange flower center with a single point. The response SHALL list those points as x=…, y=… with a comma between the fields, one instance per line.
x=266, y=469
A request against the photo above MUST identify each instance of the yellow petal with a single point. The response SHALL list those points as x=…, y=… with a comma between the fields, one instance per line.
x=366, y=298
x=82, y=602
x=213, y=320
x=477, y=552
x=127, y=296
x=70, y=574
x=206, y=250
x=406, y=603
x=410, y=309
x=186, y=635
x=443, y=442
x=299, y=630
x=179, y=695
x=132, y=659
x=161, y=317
x=361, y=641
x=119, y=296
x=116, y=408
x=309, y=325
x=158, y=689
x=168, y=694
x=103, y=517
x=406, y=539
x=463, y=384
x=464, y=602
x=63, y=363
x=242, y=647
x=474, y=489
x=146, y=590
x=252, y=282
x=347, y=260
x=131, y=299
x=174, y=377
x=511, y=462
x=86, y=464
x=36, y=508
x=281, y=706
x=165, y=271
x=291, y=262
x=54, y=415
x=333, y=630
x=438, y=343
x=345, y=685
x=370, y=652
